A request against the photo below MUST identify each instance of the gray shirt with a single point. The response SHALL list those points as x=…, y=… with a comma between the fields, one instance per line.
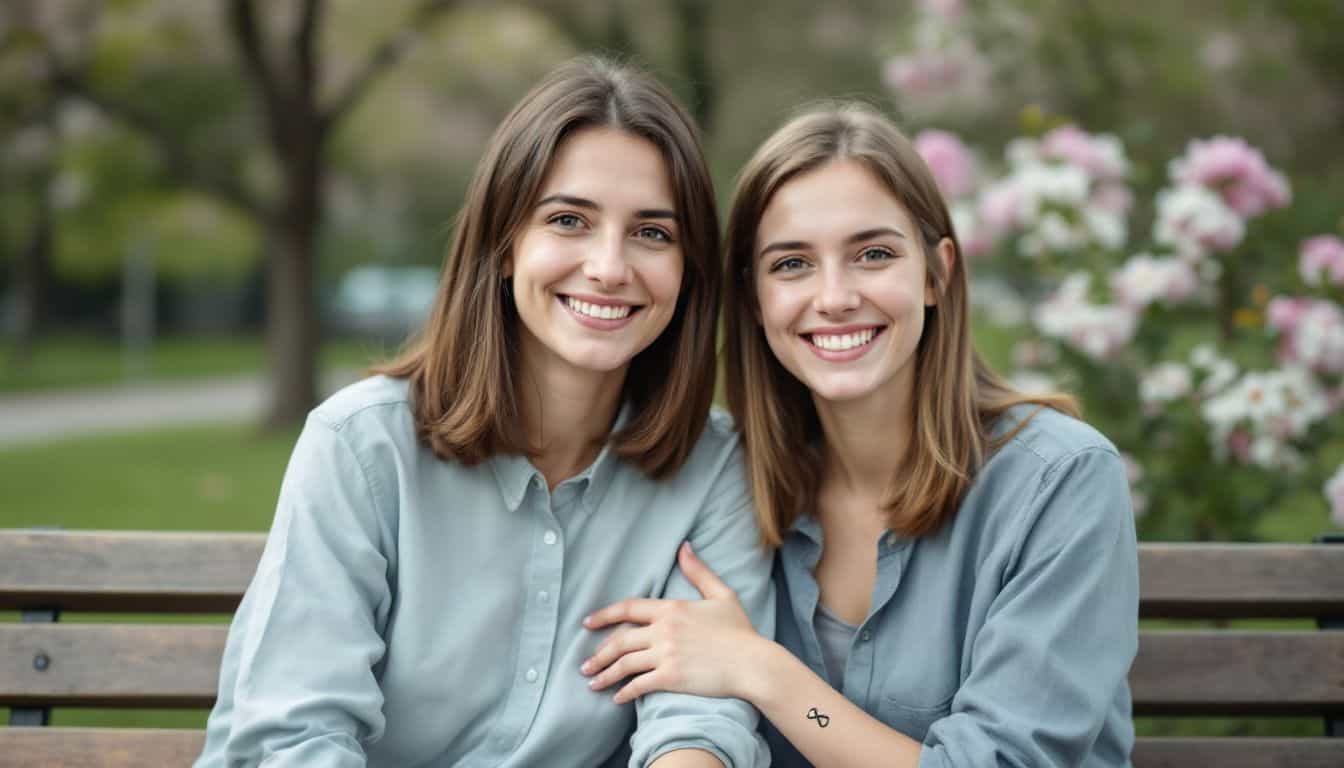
x=835, y=636
x=1004, y=638
x=410, y=611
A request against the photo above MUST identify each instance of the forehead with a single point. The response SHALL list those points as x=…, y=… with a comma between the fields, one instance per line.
x=830, y=203
x=599, y=162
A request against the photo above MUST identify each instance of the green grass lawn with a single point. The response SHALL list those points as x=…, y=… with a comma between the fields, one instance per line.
x=65, y=362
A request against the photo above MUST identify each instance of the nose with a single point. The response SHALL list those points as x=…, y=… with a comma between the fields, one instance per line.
x=835, y=295
x=605, y=264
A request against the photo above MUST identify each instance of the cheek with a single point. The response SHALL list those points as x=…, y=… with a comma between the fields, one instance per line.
x=664, y=280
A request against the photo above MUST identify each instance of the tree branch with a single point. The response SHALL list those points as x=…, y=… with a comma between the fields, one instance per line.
x=385, y=55
x=305, y=50
x=171, y=149
x=247, y=35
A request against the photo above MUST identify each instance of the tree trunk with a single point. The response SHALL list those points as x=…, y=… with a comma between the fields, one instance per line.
x=33, y=273
x=291, y=319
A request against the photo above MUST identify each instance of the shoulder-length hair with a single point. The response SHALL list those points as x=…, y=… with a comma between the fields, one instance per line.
x=464, y=366
x=957, y=398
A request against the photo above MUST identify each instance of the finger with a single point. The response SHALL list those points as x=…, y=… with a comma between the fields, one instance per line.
x=621, y=642
x=635, y=610
x=645, y=683
x=625, y=666
x=700, y=575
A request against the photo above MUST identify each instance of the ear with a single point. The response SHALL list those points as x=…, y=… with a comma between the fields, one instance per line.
x=946, y=252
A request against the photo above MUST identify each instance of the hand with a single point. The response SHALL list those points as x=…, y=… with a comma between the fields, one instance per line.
x=701, y=647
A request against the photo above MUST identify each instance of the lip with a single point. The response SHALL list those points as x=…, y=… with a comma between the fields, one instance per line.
x=598, y=323
x=842, y=355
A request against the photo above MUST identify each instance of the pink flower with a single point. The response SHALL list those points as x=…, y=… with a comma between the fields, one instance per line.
x=1143, y=280
x=1101, y=156
x=1311, y=332
x=1322, y=258
x=949, y=160
x=1334, y=493
x=923, y=73
x=1236, y=171
x=1000, y=208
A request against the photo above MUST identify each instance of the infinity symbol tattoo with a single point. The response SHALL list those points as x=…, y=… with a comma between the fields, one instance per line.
x=822, y=720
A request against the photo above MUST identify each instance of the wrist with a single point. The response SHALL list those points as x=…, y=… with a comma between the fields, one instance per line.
x=758, y=679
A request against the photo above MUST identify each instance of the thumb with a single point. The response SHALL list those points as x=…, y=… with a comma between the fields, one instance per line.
x=700, y=576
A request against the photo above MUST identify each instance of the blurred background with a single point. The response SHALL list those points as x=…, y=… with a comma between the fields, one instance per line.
x=214, y=212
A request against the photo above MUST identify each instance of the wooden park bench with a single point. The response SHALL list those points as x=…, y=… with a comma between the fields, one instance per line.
x=48, y=663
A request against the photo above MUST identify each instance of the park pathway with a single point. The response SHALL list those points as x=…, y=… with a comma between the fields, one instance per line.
x=46, y=416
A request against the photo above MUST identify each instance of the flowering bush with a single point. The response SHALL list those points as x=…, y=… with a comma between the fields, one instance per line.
x=1224, y=396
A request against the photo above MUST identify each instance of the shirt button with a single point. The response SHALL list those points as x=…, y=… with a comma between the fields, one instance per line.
x=531, y=675
x=550, y=537
x=866, y=635
x=544, y=597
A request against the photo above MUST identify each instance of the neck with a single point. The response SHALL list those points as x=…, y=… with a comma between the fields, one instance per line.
x=568, y=414
x=865, y=441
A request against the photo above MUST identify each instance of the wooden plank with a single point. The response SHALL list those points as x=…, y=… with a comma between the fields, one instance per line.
x=207, y=572
x=126, y=570
x=1241, y=580
x=1239, y=753
x=92, y=665
x=1238, y=673
x=100, y=747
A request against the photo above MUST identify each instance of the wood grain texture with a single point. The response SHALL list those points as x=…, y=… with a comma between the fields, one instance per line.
x=1241, y=580
x=207, y=573
x=126, y=570
x=1239, y=753
x=100, y=747
x=122, y=665
x=1238, y=673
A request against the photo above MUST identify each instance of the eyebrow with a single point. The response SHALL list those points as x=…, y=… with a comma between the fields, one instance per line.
x=857, y=237
x=583, y=202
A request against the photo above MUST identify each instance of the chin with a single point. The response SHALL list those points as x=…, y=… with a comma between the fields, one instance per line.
x=840, y=391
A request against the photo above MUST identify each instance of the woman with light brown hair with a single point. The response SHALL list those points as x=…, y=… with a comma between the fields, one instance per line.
x=956, y=569
x=540, y=451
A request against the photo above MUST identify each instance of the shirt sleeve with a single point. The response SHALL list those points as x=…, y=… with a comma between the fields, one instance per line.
x=1050, y=663
x=297, y=686
x=728, y=540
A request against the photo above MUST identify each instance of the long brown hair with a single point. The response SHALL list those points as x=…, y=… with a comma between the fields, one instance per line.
x=959, y=398
x=464, y=367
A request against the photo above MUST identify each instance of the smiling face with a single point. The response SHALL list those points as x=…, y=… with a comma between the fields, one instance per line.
x=597, y=267
x=841, y=283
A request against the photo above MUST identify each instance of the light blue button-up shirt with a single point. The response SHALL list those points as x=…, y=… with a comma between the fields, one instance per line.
x=409, y=611
x=1006, y=637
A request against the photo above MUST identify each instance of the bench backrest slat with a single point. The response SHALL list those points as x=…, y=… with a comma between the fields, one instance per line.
x=126, y=571
x=122, y=665
x=207, y=573
x=101, y=747
x=1251, y=673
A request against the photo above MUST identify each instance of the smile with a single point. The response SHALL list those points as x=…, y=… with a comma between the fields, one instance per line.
x=599, y=311
x=843, y=346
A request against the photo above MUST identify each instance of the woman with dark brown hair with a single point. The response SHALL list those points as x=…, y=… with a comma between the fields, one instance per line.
x=541, y=451
x=956, y=573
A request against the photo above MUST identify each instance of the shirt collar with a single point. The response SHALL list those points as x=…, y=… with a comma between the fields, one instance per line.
x=514, y=472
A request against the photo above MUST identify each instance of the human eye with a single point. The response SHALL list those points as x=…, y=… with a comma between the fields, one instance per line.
x=565, y=220
x=875, y=255
x=789, y=264
x=656, y=234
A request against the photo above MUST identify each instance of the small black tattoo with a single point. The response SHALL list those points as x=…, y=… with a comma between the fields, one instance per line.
x=822, y=720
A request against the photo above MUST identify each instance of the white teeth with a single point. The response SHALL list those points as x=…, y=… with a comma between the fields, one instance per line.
x=599, y=311
x=843, y=341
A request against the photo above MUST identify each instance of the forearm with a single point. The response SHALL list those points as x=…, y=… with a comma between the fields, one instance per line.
x=687, y=758
x=797, y=702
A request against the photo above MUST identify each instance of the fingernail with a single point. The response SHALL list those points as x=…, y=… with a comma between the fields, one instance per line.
x=585, y=667
x=587, y=621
